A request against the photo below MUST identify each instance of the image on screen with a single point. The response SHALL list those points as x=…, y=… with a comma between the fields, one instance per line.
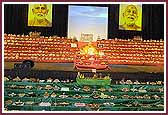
x=87, y=23
x=40, y=15
x=130, y=17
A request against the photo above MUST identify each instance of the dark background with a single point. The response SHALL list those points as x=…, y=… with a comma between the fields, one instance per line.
x=16, y=18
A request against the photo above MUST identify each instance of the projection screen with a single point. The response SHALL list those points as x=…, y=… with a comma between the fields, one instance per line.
x=87, y=23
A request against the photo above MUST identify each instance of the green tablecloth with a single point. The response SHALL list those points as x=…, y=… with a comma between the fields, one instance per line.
x=93, y=82
x=120, y=102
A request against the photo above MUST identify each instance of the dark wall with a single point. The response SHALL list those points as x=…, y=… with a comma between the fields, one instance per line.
x=15, y=19
x=152, y=23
